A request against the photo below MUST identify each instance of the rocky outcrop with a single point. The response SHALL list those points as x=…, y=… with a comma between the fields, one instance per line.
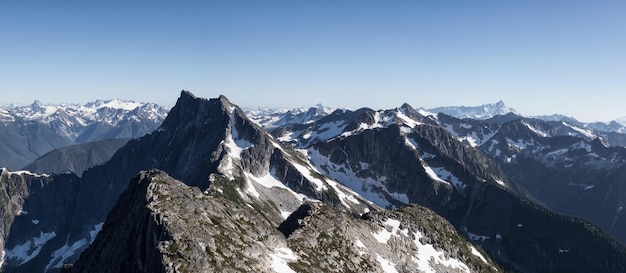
x=162, y=225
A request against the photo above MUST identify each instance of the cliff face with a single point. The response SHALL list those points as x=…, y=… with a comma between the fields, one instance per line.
x=34, y=210
x=162, y=225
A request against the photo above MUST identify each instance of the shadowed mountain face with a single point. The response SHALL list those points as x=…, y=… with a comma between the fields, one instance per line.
x=565, y=167
x=76, y=158
x=228, y=195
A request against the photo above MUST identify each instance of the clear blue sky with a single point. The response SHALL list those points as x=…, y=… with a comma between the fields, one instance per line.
x=540, y=57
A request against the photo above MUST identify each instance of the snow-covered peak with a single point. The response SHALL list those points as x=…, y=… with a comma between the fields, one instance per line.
x=114, y=104
x=484, y=111
x=5, y=116
x=272, y=118
x=109, y=111
x=69, y=119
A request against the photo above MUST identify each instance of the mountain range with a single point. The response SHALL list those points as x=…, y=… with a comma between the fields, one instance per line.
x=325, y=190
x=31, y=131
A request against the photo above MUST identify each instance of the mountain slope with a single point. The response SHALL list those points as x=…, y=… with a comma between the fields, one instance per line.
x=548, y=157
x=394, y=161
x=24, y=141
x=171, y=227
x=76, y=158
x=35, y=210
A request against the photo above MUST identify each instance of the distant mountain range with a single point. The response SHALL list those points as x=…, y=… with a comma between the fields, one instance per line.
x=484, y=111
x=30, y=131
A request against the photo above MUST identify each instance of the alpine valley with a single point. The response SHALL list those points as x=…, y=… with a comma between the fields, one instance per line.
x=118, y=186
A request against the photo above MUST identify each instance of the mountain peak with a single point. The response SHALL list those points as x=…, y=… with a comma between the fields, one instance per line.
x=187, y=94
x=484, y=111
x=406, y=106
x=37, y=106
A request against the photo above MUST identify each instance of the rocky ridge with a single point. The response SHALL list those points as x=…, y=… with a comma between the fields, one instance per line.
x=172, y=227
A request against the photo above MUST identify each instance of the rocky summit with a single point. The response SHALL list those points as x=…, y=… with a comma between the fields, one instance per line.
x=162, y=225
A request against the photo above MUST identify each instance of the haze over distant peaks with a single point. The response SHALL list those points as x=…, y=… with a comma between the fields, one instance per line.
x=484, y=111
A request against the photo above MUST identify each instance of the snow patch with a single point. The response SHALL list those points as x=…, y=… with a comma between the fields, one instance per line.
x=407, y=120
x=384, y=235
x=500, y=182
x=589, y=187
x=306, y=172
x=285, y=214
x=371, y=188
x=61, y=255
x=268, y=181
x=427, y=253
x=65, y=252
x=342, y=195
x=472, y=139
x=432, y=174
x=386, y=265
x=31, y=248
x=583, y=132
x=280, y=258
x=411, y=143
x=361, y=246
x=96, y=229
x=426, y=113
x=447, y=176
x=328, y=130
x=478, y=254
x=535, y=130
x=24, y=172
x=520, y=144
x=476, y=237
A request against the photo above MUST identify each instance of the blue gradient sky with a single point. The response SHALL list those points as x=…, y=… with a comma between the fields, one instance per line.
x=540, y=57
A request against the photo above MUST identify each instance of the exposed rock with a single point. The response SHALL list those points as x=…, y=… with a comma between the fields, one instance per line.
x=163, y=225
